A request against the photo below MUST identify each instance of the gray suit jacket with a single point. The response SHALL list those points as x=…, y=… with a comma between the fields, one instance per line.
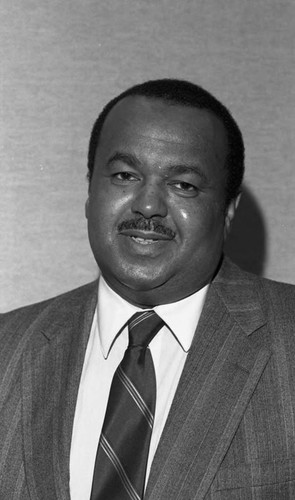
x=230, y=433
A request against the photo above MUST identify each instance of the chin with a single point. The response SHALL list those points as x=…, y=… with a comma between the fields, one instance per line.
x=142, y=280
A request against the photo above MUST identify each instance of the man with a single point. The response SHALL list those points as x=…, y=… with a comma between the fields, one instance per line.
x=165, y=163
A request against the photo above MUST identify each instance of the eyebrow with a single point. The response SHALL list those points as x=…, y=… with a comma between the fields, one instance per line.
x=188, y=169
x=127, y=158
x=176, y=169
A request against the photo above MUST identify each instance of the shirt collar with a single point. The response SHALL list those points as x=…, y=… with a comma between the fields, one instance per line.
x=181, y=317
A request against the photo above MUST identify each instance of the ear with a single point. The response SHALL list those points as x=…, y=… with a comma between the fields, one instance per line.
x=230, y=213
x=87, y=208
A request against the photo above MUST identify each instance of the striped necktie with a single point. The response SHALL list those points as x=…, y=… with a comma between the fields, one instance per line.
x=122, y=453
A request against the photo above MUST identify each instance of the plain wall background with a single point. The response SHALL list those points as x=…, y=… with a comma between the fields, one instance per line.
x=60, y=63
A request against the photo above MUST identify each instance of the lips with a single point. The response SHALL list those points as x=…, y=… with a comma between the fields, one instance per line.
x=143, y=241
x=145, y=237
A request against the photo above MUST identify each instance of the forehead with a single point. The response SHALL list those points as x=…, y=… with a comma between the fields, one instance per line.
x=137, y=118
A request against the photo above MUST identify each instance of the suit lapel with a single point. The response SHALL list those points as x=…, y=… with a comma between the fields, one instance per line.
x=51, y=374
x=222, y=370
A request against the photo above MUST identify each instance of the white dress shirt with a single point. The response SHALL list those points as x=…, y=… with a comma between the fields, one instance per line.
x=105, y=350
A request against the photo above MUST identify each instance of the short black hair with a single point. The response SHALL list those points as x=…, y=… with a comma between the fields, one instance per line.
x=183, y=93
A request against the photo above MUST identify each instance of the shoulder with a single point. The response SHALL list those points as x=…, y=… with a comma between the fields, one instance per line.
x=275, y=294
x=276, y=299
x=68, y=298
x=14, y=324
x=232, y=273
x=279, y=301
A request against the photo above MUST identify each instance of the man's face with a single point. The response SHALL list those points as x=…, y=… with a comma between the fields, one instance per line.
x=156, y=209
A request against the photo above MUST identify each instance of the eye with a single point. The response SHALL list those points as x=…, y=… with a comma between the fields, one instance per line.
x=185, y=187
x=123, y=177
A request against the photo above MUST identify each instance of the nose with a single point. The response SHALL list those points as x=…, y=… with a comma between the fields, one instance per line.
x=149, y=201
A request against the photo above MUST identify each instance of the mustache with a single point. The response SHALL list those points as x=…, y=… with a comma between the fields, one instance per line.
x=146, y=225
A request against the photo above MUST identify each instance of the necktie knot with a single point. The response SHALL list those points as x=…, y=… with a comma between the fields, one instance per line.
x=143, y=326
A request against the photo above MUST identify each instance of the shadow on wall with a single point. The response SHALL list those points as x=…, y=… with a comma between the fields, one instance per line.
x=246, y=244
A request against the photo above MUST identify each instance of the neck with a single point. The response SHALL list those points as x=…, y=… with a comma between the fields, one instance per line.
x=148, y=299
